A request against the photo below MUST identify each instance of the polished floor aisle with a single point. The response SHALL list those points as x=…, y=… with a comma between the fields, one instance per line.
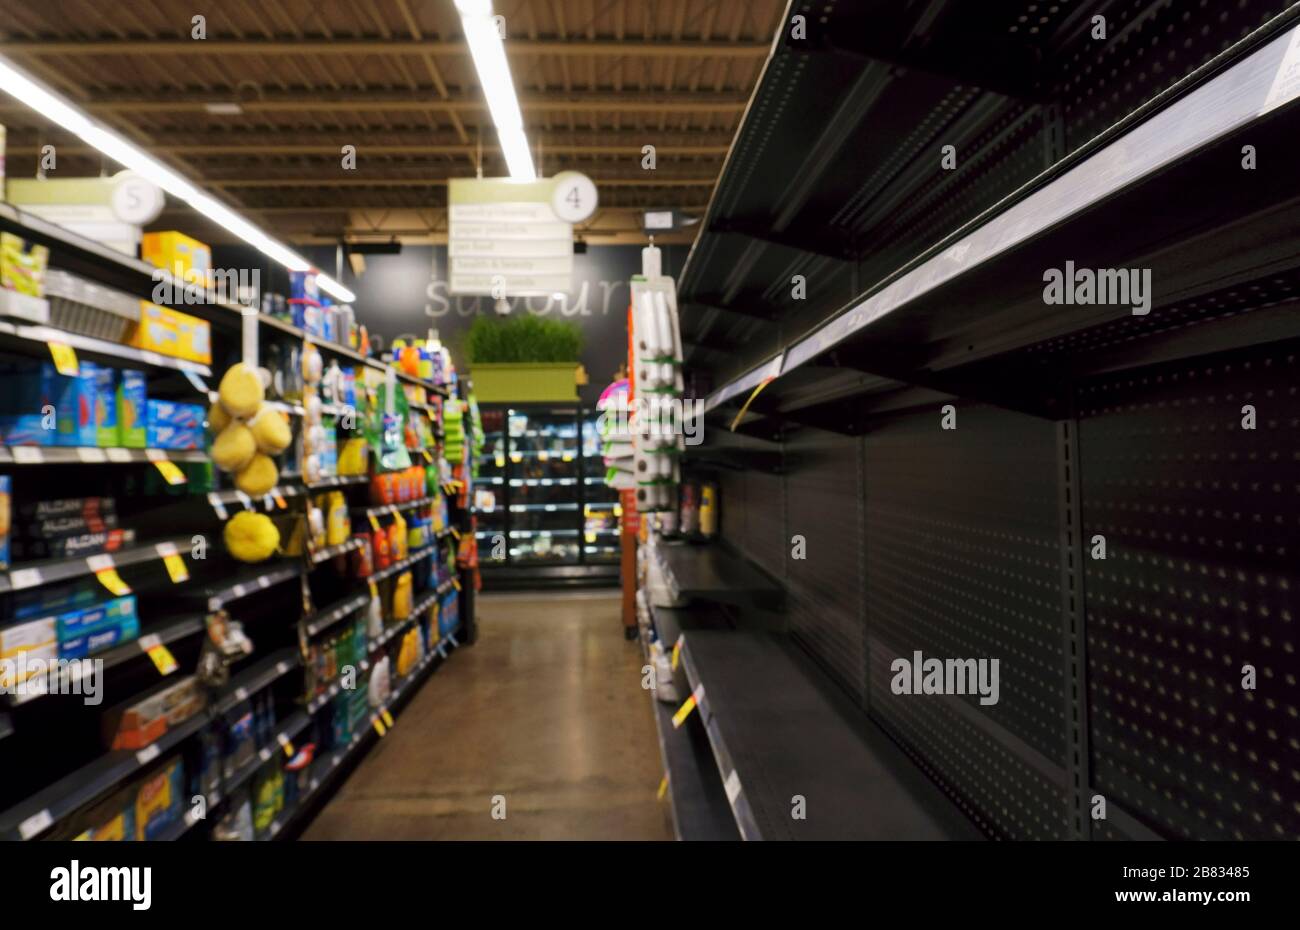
x=545, y=711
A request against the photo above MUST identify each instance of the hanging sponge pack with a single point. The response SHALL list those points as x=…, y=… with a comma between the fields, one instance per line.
x=248, y=431
x=251, y=537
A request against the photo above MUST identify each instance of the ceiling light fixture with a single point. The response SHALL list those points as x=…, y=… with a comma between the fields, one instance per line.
x=489, y=54
x=59, y=111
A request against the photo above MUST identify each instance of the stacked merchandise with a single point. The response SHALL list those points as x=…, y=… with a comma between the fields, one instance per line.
x=616, y=437
x=657, y=380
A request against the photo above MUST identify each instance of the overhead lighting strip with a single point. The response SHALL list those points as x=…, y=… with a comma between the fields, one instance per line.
x=58, y=110
x=489, y=54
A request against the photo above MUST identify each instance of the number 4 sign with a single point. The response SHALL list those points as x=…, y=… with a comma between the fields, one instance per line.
x=574, y=198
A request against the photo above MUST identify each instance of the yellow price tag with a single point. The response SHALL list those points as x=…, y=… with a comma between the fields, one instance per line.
x=379, y=726
x=516, y=457
x=677, y=652
x=455, y=583
x=388, y=718
x=428, y=456
x=455, y=532
x=163, y=660
x=176, y=569
x=287, y=746
x=591, y=539
x=374, y=522
x=65, y=359
x=110, y=579
x=663, y=788
x=374, y=590
x=683, y=712
x=279, y=500
x=170, y=471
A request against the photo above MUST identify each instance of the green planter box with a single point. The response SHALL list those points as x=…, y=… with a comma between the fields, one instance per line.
x=525, y=382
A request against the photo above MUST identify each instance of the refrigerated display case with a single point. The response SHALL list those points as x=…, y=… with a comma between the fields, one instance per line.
x=547, y=516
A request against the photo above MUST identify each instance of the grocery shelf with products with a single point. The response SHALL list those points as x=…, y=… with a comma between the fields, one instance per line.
x=239, y=511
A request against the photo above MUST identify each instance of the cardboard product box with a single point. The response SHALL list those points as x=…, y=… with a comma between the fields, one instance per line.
x=194, y=337
x=23, y=642
x=85, y=620
x=174, y=425
x=106, y=406
x=187, y=258
x=139, y=723
x=132, y=409
x=74, y=546
x=67, y=507
x=91, y=643
x=159, y=802
x=74, y=406
x=157, y=331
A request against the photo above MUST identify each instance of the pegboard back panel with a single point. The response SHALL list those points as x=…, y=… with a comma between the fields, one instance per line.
x=822, y=551
x=963, y=561
x=1198, y=515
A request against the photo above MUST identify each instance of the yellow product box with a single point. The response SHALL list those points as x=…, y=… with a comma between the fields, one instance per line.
x=186, y=258
x=193, y=335
x=157, y=330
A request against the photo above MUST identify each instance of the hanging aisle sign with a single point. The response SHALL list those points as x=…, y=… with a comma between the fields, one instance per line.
x=511, y=238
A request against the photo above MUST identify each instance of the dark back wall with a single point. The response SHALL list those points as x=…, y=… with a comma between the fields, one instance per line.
x=407, y=294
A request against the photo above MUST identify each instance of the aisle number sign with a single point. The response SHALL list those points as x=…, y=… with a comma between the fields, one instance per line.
x=513, y=238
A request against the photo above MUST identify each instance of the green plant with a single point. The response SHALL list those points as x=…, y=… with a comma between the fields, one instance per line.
x=523, y=338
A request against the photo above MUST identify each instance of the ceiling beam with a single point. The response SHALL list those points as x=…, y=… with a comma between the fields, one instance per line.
x=650, y=180
x=332, y=149
x=316, y=48
x=420, y=100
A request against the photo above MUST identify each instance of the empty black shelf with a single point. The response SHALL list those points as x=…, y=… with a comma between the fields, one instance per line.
x=776, y=734
x=715, y=572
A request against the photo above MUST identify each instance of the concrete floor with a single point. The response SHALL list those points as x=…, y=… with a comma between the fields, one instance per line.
x=545, y=710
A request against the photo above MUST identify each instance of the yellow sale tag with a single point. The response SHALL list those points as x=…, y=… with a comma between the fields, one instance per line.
x=279, y=500
x=65, y=359
x=176, y=568
x=170, y=471
x=162, y=658
x=456, y=583
x=379, y=727
x=428, y=456
x=374, y=590
x=683, y=712
x=110, y=579
x=388, y=718
x=663, y=788
x=288, y=748
x=455, y=532
x=677, y=652
x=591, y=538
x=374, y=522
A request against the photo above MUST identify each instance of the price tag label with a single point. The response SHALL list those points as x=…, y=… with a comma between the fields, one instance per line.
x=91, y=455
x=279, y=499
x=455, y=532
x=217, y=505
x=119, y=455
x=65, y=359
x=25, y=578
x=245, y=500
x=161, y=656
x=148, y=754
x=285, y=744
x=732, y=787
x=37, y=823
x=374, y=591
x=27, y=455
x=677, y=653
x=374, y=522
x=455, y=583
x=379, y=726
x=110, y=579
x=663, y=788
x=170, y=471
x=176, y=569
x=427, y=456
x=388, y=718
x=685, y=710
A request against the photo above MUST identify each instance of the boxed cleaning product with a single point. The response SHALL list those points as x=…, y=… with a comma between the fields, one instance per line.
x=132, y=408
x=157, y=331
x=186, y=258
x=79, y=545
x=105, y=406
x=23, y=643
x=174, y=425
x=143, y=720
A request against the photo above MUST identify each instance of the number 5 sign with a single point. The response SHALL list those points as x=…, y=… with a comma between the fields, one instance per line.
x=574, y=196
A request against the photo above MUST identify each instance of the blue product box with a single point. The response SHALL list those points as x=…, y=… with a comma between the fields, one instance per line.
x=173, y=425
x=6, y=513
x=107, y=638
x=302, y=286
x=74, y=405
x=26, y=392
x=448, y=614
x=115, y=614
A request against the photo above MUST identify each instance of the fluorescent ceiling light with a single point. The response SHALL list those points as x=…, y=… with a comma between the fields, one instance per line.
x=223, y=109
x=59, y=111
x=489, y=54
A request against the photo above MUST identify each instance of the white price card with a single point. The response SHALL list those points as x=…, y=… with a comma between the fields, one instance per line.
x=37, y=823
x=148, y=754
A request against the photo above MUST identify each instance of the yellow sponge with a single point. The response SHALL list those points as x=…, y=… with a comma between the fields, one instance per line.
x=241, y=390
x=218, y=419
x=251, y=537
x=258, y=476
x=271, y=431
x=234, y=447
